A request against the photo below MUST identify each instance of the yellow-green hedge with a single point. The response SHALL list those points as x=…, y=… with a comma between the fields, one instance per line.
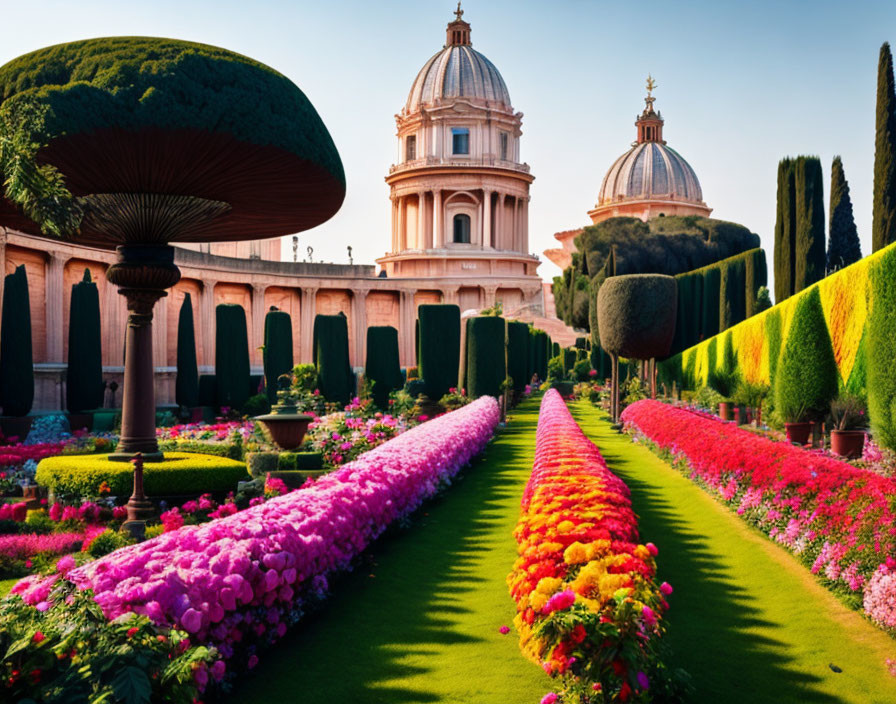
x=180, y=473
x=846, y=300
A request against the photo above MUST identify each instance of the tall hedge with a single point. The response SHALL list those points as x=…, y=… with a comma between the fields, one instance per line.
x=883, y=215
x=84, y=380
x=231, y=355
x=709, y=313
x=485, y=356
x=807, y=374
x=785, y=231
x=517, y=357
x=382, y=367
x=16, y=360
x=439, y=358
x=809, y=252
x=756, y=274
x=186, y=385
x=330, y=348
x=278, y=359
x=843, y=238
x=881, y=350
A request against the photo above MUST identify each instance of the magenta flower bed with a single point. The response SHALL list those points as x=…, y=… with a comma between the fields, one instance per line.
x=241, y=580
x=837, y=518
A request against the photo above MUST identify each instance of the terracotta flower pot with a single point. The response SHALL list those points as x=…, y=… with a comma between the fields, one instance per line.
x=724, y=410
x=287, y=429
x=848, y=443
x=798, y=432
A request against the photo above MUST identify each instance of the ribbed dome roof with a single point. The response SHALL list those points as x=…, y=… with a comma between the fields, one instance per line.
x=650, y=170
x=458, y=71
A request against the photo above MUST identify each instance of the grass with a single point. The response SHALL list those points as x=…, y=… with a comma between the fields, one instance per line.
x=748, y=621
x=419, y=620
x=6, y=585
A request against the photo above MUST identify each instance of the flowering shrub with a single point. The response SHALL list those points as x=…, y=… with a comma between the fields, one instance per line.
x=588, y=608
x=19, y=554
x=237, y=582
x=837, y=518
x=343, y=436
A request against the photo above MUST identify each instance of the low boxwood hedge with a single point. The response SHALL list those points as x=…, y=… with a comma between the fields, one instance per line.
x=291, y=461
x=219, y=449
x=180, y=473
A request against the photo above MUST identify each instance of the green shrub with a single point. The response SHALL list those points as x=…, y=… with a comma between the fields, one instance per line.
x=257, y=405
x=582, y=369
x=260, y=463
x=857, y=384
x=709, y=313
x=300, y=461
x=636, y=315
x=555, y=369
x=277, y=350
x=108, y=541
x=439, y=356
x=726, y=377
x=485, y=359
x=208, y=390
x=84, y=379
x=881, y=350
x=707, y=397
x=180, y=473
x=330, y=346
x=382, y=368
x=229, y=450
x=517, y=354
x=231, y=355
x=187, y=382
x=569, y=360
x=16, y=361
x=807, y=376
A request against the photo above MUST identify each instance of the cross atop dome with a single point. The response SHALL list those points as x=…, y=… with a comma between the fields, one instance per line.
x=458, y=30
x=650, y=122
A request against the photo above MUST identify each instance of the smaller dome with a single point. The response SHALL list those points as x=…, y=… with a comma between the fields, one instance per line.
x=650, y=170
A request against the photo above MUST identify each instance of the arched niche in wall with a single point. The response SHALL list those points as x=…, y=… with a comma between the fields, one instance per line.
x=463, y=203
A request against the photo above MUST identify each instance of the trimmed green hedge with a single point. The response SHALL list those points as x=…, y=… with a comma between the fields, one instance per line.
x=807, y=372
x=218, y=449
x=439, y=347
x=208, y=390
x=84, y=380
x=382, y=368
x=300, y=461
x=278, y=358
x=187, y=382
x=16, y=360
x=517, y=354
x=231, y=355
x=636, y=315
x=485, y=359
x=880, y=356
x=180, y=473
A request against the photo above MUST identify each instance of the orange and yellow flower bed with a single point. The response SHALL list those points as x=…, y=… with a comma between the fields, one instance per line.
x=589, y=610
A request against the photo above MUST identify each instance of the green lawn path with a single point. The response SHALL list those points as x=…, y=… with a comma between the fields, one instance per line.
x=419, y=621
x=748, y=621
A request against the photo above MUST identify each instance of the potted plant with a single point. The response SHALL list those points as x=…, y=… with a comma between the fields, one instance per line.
x=750, y=396
x=796, y=422
x=848, y=423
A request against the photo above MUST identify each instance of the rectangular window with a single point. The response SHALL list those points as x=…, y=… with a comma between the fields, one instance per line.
x=460, y=140
x=410, y=148
x=505, y=140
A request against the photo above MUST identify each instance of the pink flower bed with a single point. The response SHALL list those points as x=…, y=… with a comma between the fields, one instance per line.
x=242, y=579
x=21, y=547
x=838, y=518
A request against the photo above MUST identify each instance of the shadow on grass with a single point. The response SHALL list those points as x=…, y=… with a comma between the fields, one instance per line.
x=713, y=619
x=383, y=633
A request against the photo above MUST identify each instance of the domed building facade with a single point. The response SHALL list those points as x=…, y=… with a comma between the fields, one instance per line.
x=460, y=192
x=649, y=180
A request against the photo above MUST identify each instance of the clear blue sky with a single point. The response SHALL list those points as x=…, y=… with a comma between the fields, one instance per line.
x=740, y=84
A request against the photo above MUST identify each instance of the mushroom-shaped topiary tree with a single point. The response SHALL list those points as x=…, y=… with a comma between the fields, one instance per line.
x=636, y=318
x=136, y=142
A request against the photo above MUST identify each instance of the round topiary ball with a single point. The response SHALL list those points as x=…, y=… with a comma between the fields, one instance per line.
x=636, y=315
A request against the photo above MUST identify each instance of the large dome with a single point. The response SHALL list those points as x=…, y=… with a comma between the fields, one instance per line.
x=650, y=170
x=458, y=71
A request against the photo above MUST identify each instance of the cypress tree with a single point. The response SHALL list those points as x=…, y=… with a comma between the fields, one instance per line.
x=330, y=355
x=382, y=367
x=485, y=364
x=785, y=230
x=84, y=380
x=883, y=216
x=438, y=356
x=843, y=242
x=756, y=273
x=231, y=355
x=186, y=385
x=277, y=355
x=809, y=254
x=16, y=357
x=517, y=334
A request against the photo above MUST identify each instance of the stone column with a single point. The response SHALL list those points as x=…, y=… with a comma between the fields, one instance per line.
x=488, y=295
x=306, y=325
x=54, y=289
x=421, y=220
x=499, y=224
x=486, y=218
x=406, y=333
x=402, y=224
x=359, y=322
x=438, y=235
x=394, y=224
x=517, y=235
x=207, y=321
x=525, y=225
x=258, y=313
x=451, y=295
x=160, y=336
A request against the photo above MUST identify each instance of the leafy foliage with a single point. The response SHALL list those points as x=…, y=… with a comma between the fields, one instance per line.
x=330, y=346
x=383, y=369
x=636, y=315
x=843, y=238
x=231, y=355
x=485, y=356
x=881, y=350
x=439, y=358
x=278, y=358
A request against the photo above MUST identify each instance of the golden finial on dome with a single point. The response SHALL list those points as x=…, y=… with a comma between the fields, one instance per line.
x=458, y=13
x=651, y=84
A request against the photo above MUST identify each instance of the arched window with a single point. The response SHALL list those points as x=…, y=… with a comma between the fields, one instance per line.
x=462, y=228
